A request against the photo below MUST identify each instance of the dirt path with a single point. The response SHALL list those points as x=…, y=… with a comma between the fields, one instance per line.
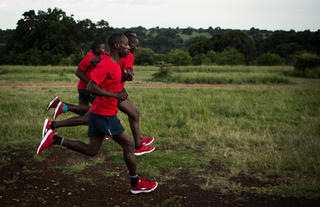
x=27, y=182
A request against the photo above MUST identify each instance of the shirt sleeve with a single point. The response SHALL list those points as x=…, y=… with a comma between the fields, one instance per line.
x=99, y=74
x=85, y=63
x=129, y=61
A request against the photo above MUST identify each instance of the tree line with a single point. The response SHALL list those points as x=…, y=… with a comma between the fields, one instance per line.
x=53, y=38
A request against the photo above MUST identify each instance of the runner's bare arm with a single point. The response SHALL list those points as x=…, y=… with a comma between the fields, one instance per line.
x=79, y=73
x=95, y=89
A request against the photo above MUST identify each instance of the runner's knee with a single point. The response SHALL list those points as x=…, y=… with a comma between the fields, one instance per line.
x=128, y=145
x=135, y=115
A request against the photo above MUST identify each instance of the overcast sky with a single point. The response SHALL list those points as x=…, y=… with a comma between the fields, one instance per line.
x=298, y=15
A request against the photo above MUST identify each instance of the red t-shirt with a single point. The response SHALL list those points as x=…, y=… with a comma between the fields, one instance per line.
x=86, y=66
x=126, y=63
x=107, y=75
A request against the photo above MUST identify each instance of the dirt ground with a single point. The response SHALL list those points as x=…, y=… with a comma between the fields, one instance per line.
x=47, y=185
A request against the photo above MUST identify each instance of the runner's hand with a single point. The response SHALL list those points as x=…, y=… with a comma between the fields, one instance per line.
x=123, y=95
x=129, y=75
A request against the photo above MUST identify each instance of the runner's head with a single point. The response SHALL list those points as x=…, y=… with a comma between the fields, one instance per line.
x=133, y=40
x=97, y=47
x=133, y=43
x=130, y=33
x=118, y=43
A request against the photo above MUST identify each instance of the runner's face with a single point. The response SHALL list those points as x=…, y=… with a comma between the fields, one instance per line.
x=100, y=49
x=134, y=45
x=124, y=48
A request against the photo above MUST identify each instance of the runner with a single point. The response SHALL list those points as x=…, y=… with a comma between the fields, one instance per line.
x=85, y=67
x=103, y=115
x=125, y=105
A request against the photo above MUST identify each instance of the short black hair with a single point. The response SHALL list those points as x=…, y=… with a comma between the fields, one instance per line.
x=96, y=44
x=132, y=39
x=130, y=33
x=115, y=38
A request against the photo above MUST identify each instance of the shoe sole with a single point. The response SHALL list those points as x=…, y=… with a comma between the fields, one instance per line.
x=44, y=140
x=149, y=142
x=56, y=110
x=44, y=127
x=142, y=153
x=51, y=102
x=144, y=191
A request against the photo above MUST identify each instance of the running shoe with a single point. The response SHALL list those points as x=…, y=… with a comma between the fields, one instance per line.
x=107, y=138
x=53, y=103
x=143, y=150
x=146, y=141
x=58, y=110
x=46, y=127
x=47, y=141
x=143, y=187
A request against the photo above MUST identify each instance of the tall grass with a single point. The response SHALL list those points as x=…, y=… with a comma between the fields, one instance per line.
x=232, y=68
x=227, y=75
x=225, y=78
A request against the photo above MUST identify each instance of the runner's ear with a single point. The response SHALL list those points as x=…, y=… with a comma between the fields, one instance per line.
x=116, y=45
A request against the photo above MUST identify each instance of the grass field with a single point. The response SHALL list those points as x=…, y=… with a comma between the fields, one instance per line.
x=264, y=132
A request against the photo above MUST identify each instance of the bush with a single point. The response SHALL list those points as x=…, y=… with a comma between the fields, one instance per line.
x=270, y=59
x=164, y=71
x=144, y=56
x=201, y=59
x=179, y=57
x=230, y=56
x=307, y=65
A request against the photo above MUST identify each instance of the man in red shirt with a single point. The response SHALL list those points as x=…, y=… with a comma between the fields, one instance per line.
x=103, y=115
x=85, y=67
x=125, y=105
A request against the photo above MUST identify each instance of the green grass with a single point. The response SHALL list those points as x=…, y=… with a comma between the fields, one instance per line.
x=227, y=75
x=85, y=180
x=27, y=171
x=2, y=188
x=232, y=69
x=225, y=78
x=76, y=166
x=271, y=134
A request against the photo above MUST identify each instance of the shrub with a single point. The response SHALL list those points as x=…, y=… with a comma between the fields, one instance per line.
x=270, y=59
x=201, y=59
x=230, y=56
x=164, y=71
x=145, y=56
x=179, y=57
x=307, y=65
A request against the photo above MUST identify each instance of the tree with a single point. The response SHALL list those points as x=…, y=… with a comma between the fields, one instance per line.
x=270, y=59
x=55, y=35
x=242, y=42
x=200, y=45
x=145, y=56
x=201, y=59
x=179, y=57
x=230, y=56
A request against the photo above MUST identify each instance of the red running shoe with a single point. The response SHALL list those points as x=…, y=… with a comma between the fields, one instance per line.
x=58, y=110
x=143, y=150
x=46, y=141
x=46, y=127
x=53, y=103
x=146, y=141
x=107, y=138
x=143, y=187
